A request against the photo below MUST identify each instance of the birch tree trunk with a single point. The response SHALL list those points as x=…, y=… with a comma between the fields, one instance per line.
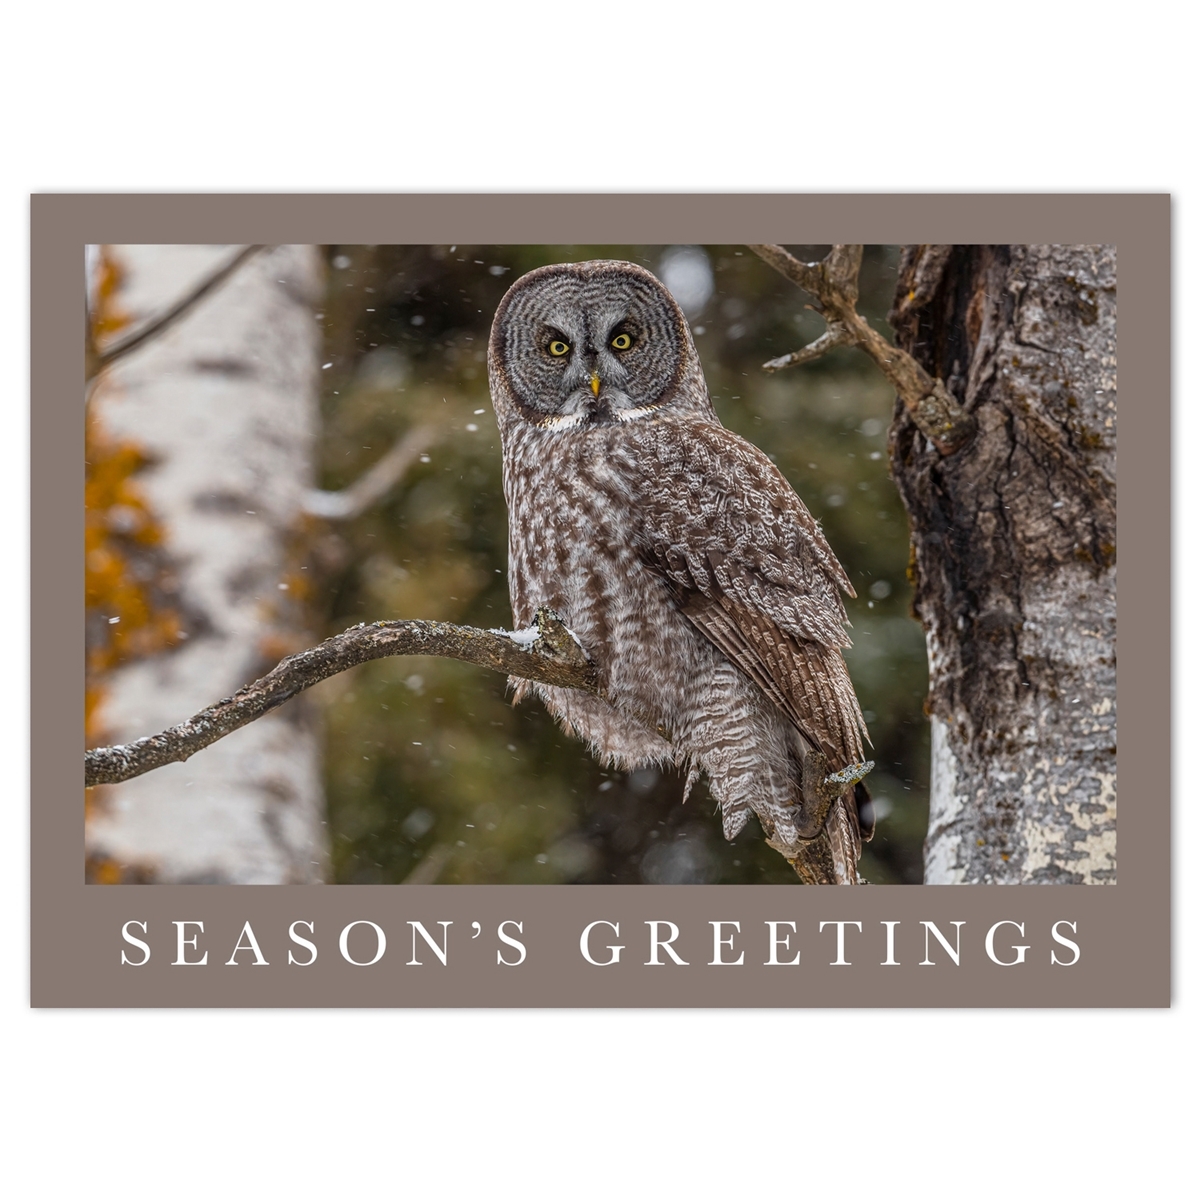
x=224, y=406
x=1014, y=558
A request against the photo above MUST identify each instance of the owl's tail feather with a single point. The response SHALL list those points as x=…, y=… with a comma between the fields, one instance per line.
x=844, y=841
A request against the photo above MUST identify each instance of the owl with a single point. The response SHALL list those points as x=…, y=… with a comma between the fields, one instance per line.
x=690, y=571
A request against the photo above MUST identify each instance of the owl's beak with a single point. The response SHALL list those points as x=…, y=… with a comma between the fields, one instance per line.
x=594, y=380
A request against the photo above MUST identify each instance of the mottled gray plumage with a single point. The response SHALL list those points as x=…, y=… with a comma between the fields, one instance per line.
x=689, y=569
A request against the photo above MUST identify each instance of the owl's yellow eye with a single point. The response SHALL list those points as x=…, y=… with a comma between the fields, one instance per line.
x=558, y=349
x=621, y=342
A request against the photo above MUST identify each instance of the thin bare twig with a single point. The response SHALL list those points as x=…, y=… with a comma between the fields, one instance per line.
x=100, y=360
x=836, y=335
x=375, y=483
x=546, y=653
x=834, y=283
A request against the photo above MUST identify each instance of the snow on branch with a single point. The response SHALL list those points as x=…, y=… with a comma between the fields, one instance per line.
x=547, y=653
x=834, y=283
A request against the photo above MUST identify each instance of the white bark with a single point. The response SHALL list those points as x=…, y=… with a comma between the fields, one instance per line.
x=1015, y=560
x=1057, y=766
x=226, y=403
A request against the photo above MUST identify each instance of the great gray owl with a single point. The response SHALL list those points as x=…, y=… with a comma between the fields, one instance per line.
x=688, y=568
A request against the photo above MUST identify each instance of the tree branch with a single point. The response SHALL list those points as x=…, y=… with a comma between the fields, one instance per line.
x=375, y=483
x=546, y=653
x=100, y=360
x=836, y=335
x=834, y=283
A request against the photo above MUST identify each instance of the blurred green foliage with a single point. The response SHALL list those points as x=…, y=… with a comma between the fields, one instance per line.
x=432, y=775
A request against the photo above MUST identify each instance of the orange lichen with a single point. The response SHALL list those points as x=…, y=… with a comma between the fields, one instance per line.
x=99, y=868
x=107, y=315
x=117, y=525
x=127, y=582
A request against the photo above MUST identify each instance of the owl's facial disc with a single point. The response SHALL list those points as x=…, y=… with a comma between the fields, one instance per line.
x=594, y=373
x=593, y=344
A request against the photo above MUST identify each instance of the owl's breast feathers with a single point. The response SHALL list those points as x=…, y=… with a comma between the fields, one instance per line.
x=712, y=518
x=751, y=570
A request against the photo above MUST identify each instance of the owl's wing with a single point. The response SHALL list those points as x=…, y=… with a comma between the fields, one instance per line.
x=752, y=570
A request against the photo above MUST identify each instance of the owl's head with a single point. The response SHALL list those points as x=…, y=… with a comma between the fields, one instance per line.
x=591, y=344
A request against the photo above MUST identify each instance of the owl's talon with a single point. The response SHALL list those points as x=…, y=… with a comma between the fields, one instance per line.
x=555, y=640
x=820, y=789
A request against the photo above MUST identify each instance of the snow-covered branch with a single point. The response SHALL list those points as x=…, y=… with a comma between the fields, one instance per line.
x=546, y=653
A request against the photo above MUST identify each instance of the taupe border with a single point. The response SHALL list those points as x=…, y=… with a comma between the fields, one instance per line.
x=1123, y=931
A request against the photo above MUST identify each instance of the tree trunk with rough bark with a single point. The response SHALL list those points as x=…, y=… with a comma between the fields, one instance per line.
x=1014, y=557
x=220, y=412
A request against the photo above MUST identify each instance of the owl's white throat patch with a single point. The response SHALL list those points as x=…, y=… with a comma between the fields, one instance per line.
x=604, y=416
x=563, y=421
x=635, y=414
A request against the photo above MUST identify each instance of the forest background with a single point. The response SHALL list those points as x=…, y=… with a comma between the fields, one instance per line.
x=429, y=774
